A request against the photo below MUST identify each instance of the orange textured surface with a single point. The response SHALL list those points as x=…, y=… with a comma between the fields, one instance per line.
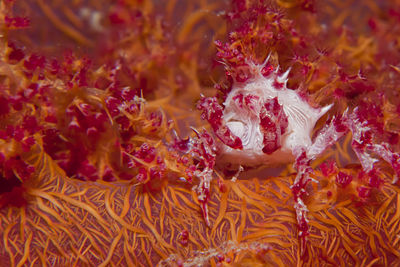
x=116, y=193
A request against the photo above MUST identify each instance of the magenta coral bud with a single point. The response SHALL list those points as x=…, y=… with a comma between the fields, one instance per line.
x=16, y=22
x=343, y=179
x=328, y=168
x=364, y=192
x=74, y=124
x=267, y=70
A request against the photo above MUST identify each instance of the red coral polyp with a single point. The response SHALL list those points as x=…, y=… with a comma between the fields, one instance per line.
x=343, y=179
x=16, y=22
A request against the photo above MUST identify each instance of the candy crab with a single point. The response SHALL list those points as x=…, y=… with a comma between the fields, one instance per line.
x=262, y=122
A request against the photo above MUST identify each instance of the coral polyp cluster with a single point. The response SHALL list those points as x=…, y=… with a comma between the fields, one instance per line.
x=143, y=133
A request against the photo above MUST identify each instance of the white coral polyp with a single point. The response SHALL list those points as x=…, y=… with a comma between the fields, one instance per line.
x=244, y=121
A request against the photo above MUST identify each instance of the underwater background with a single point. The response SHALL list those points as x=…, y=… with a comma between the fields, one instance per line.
x=107, y=158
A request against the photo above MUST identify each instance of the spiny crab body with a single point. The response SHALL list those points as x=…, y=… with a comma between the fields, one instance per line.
x=262, y=122
x=269, y=119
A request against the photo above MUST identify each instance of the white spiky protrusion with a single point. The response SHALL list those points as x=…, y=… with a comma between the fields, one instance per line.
x=284, y=77
x=244, y=121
